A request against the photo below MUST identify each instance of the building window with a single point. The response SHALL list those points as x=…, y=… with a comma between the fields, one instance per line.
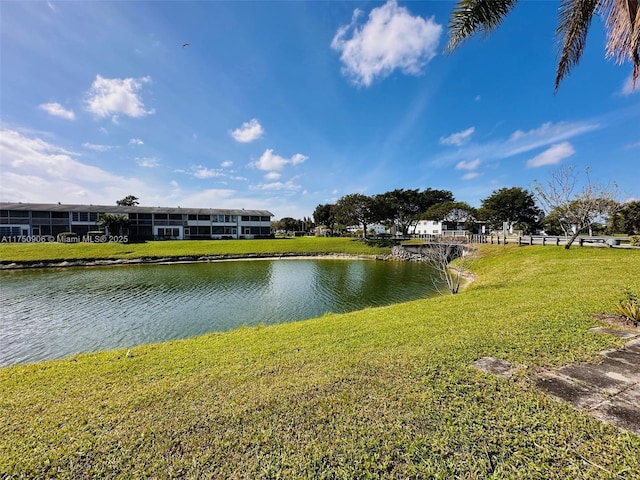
x=168, y=232
x=18, y=214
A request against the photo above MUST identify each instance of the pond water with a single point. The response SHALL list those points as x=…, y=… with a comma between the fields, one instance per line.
x=54, y=313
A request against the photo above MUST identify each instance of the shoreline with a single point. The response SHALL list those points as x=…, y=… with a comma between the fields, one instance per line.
x=168, y=260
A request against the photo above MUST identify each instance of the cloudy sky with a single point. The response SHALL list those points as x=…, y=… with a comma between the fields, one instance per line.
x=287, y=105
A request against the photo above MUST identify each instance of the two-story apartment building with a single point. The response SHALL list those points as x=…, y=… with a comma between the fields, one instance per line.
x=145, y=223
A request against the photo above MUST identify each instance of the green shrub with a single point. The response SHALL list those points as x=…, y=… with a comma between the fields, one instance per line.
x=629, y=307
x=634, y=240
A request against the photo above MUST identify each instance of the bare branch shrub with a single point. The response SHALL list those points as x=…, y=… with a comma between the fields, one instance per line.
x=576, y=208
x=450, y=258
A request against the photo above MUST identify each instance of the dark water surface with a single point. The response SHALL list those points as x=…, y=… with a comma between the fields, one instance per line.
x=54, y=313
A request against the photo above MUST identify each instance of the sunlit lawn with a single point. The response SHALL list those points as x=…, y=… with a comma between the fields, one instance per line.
x=31, y=252
x=381, y=393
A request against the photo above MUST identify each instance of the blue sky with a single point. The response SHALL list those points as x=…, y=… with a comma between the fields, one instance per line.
x=287, y=105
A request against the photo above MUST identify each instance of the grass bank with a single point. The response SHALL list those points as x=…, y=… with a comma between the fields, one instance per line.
x=57, y=252
x=380, y=393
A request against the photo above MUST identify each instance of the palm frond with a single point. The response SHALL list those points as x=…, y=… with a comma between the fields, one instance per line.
x=635, y=49
x=574, y=21
x=623, y=31
x=470, y=16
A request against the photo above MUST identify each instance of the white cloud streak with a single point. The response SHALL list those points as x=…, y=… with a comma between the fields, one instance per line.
x=202, y=172
x=288, y=185
x=57, y=110
x=147, y=162
x=248, y=132
x=552, y=156
x=627, y=88
x=458, y=139
x=96, y=147
x=272, y=176
x=471, y=165
x=517, y=143
x=391, y=39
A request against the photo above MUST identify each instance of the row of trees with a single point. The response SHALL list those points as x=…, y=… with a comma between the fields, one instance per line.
x=556, y=206
x=401, y=209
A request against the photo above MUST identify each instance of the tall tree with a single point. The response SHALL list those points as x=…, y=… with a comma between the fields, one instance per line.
x=627, y=218
x=403, y=208
x=622, y=24
x=450, y=212
x=128, y=201
x=288, y=224
x=515, y=206
x=325, y=215
x=357, y=209
x=576, y=209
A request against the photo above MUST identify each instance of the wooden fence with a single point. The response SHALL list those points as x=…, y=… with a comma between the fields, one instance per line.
x=545, y=240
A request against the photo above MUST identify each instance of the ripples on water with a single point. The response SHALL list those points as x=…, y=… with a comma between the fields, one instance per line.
x=54, y=313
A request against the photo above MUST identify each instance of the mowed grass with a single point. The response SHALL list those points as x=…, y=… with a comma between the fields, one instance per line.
x=380, y=393
x=34, y=252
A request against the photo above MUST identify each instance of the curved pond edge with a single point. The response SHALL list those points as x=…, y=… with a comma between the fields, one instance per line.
x=95, y=262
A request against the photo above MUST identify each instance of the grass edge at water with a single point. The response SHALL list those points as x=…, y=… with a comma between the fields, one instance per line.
x=392, y=383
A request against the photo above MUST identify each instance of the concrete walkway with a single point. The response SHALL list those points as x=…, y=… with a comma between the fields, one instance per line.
x=609, y=390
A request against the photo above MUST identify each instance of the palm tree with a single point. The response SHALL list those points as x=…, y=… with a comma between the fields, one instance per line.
x=622, y=24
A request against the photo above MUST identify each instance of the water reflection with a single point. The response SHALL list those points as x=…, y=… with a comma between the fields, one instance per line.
x=54, y=313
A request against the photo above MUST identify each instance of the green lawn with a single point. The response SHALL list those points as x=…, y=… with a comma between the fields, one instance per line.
x=33, y=252
x=381, y=393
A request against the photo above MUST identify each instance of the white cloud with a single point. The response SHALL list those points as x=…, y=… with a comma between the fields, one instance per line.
x=147, y=162
x=97, y=148
x=289, y=185
x=547, y=134
x=459, y=138
x=519, y=142
x=136, y=141
x=204, y=172
x=226, y=164
x=272, y=176
x=632, y=145
x=552, y=156
x=390, y=39
x=113, y=96
x=627, y=88
x=270, y=161
x=57, y=110
x=471, y=165
x=37, y=171
x=248, y=132
x=470, y=175
x=298, y=158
